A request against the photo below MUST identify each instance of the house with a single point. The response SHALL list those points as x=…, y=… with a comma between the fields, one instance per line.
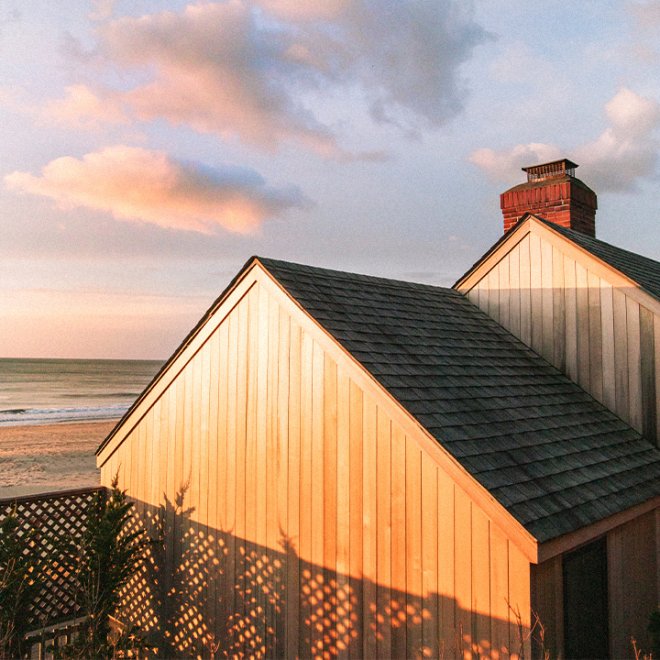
x=339, y=464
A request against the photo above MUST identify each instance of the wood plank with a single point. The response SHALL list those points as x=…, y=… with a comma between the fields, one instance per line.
x=208, y=606
x=330, y=502
x=255, y=468
x=399, y=588
x=520, y=604
x=272, y=468
x=493, y=281
x=647, y=351
x=536, y=292
x=180, y=478
x=317, y=504
x=413, y=548
x=570, y=301
x=547, y=301
x=430, y=602
x=504, y=292
x=242, y=548
x=369, y=527
x=514, y=295
x=499, y=593
x=616, y=592
x=232, y=465
x=292, y=538
x=213, y=432
x=547, y=604
x=582, y=301
x=525, y=292
x=595, y=339
x=634, y=364
x=383, y=532
x=282, y=450
x=307, y=577
x=446, y=562
x=356, y=610
x=343, y=627
x=194, y=440
x=463, y=570
x=558, y=311
x=621, y=354
x=607, y=343
x=224, y=586
x=481, y=588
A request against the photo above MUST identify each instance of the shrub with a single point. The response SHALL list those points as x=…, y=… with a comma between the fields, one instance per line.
x=101, y=565
x=20, y=582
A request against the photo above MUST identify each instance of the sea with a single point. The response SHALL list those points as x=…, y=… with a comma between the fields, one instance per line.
x=50, y=391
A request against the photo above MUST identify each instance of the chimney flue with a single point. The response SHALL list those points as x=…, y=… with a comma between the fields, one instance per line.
x=553, y=193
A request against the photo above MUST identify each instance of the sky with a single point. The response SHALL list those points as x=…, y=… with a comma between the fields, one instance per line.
x=149, y=148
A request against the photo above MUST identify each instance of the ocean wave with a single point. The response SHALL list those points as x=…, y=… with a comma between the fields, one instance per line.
x=22, y=416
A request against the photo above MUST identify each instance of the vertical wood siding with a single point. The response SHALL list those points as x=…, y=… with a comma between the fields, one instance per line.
x=298, y=517
x=632, y=561
x=591, y=330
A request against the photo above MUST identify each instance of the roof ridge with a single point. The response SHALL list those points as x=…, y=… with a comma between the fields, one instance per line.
x=362, y=277
x=572, y=233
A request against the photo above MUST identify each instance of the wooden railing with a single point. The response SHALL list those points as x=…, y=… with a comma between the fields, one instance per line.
x=45, y=521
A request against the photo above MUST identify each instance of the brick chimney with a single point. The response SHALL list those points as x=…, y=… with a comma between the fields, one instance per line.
x=553, y=193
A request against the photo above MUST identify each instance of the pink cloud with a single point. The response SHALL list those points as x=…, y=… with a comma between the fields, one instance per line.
x=257, y=70
x=217, y=71
x=136, y=184
x=82, y=107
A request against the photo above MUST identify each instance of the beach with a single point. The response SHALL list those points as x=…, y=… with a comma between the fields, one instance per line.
x=44, y=458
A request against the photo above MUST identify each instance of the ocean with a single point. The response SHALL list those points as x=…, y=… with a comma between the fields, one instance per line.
x=36, y=391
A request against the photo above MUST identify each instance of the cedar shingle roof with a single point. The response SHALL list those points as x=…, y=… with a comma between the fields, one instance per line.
x=643, y=270
x=550, y=454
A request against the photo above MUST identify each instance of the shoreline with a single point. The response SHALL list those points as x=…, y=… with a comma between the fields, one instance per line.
x=40, y=458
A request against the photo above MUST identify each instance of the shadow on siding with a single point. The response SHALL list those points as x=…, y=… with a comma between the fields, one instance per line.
x=210, y=593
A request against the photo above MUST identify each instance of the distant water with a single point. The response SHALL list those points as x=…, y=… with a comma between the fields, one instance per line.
x=35, y=391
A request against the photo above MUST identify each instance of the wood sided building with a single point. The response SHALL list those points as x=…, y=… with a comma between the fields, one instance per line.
x=346, y=465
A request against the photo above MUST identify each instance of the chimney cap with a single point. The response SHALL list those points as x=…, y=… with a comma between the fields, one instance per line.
x=555, y=168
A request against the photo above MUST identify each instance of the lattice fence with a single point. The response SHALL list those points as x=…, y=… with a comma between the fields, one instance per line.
x=45, y=522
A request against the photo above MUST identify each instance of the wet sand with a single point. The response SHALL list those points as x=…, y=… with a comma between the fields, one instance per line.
x=37, y=459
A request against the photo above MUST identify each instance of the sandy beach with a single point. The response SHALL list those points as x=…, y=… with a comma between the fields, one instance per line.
x=36, y=459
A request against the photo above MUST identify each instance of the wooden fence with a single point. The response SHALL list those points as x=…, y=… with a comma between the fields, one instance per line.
x=45, y=521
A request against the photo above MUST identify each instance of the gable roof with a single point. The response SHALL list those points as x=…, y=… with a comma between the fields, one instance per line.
x=642, y=270
x=550, y=454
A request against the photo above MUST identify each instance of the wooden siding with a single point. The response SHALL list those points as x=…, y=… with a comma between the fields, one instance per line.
x=632, y=564
x=298, y=515
x=583, y=318
x=633, y=592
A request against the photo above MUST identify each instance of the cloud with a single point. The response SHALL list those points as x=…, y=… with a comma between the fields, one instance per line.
x=505, y=165
x=219, y=71
x=625, y=152
x=102, y=9
x=83, y=108
x=254, y=69
x=646, y=13
x=137, y=184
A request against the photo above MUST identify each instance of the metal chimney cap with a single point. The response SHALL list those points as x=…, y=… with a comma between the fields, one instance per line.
x=555, y=168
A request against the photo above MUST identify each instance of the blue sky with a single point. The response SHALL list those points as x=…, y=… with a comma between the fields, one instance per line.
x=150, y=148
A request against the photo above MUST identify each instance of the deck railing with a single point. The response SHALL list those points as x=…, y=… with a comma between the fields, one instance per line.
x=46, y=520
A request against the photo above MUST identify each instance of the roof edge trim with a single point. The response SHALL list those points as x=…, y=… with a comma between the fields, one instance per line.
x=188, y=340
x=572, y=540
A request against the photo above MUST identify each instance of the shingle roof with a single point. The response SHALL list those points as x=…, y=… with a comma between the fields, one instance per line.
x=643, y=270
x=550, y=454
